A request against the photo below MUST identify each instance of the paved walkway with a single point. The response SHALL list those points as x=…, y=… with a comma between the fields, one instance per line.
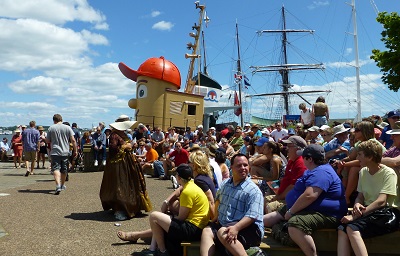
x=34, y=221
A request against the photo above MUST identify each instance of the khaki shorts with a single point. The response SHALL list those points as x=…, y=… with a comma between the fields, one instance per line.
x=30, y=156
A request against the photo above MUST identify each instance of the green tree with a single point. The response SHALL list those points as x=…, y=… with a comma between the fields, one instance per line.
x=389, y=61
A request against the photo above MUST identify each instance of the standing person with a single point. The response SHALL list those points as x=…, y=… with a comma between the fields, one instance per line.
x=42, y=147
x=374, y=212
x=16, y=145
x=77, y=136
x=168, y=232
x=238, y=223
x=306, y=114
x=60, y=136
x=123, y=188
x=320, y=111
x=31, y=145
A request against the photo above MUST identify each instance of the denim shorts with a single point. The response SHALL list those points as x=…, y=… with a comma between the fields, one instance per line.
x=59, y=163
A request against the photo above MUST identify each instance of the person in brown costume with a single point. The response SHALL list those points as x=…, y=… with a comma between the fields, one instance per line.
x=123, y=188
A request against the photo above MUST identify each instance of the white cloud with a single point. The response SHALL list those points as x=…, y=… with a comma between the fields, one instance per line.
x=155, y=14
x=28, y=44
x=163, y=25
x=57, y=12
x=316, y=4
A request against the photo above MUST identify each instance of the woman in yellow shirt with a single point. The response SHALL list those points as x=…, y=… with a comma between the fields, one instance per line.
x=168, y=232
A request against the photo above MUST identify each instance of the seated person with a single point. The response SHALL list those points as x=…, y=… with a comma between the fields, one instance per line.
x=237, y=225
x=294, y=170
x=313, y=136
x=374, y=211
x=157, y=139
x=158, y=164
x=99, y=146
x=316, y=201
x=338, y=147
x=167, y=233
x=4, y=147
x=151, y=156
x=141, y=151
x=175, y=158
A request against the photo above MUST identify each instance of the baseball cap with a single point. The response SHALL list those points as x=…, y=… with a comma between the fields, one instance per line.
x=247, y=125
x=393, y=113
x=184, y=171
x=200, y=126
x=297, y=140
x=247, y=138
x=313, y=150
x=261, y=141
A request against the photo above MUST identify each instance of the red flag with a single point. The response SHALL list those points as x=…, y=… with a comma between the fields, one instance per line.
x=238, y=111
x=238, y=77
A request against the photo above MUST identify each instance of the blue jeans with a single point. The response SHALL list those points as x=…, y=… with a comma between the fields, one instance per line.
x=320, y=121
x=158, y=168
x=102, y=151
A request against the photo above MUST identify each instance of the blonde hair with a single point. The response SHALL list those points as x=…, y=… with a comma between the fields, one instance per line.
x=200, y=162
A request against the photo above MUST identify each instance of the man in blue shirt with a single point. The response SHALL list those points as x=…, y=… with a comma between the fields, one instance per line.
x=239, y=216
x=340, y=145
x=30, y=140
x=385, y=138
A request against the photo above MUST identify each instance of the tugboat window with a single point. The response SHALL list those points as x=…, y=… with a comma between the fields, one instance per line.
x=192, y=110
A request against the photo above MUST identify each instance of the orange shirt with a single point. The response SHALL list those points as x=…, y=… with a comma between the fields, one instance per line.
x=151, y=155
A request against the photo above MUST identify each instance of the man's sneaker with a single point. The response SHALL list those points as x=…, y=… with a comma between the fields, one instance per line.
x=63, y=187
x=58, y=190
x=96, y=163
x=175, y=184
x=161, y=177
x=104, y=162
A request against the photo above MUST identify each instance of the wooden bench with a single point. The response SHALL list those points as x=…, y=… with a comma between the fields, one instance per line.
x=325, y=240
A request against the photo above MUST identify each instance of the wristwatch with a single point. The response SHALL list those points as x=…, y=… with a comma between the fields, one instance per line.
x=290, y=212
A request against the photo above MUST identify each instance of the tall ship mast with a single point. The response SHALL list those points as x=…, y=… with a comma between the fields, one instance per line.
x=285, y=68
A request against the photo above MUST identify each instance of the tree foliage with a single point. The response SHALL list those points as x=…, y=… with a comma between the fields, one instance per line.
x=389, y=61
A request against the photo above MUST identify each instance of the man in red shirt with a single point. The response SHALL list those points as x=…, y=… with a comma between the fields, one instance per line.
x=176, y=157
x=294, y=170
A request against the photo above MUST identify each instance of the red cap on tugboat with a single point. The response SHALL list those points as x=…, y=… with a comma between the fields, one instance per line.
x=158, y=68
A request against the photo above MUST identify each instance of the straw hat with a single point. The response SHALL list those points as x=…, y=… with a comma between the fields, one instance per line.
x=122, y=123
x=396, y=129
x=338, y=129
x=40, y=128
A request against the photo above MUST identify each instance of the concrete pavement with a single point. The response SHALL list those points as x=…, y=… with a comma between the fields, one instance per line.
x=34, y=221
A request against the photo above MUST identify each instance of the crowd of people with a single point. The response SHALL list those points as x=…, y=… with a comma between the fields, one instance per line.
x=231, y=184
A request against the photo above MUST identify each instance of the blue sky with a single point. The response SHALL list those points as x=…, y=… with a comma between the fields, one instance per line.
x=62, y=56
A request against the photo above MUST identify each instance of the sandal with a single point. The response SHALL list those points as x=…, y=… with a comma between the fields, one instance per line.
x=127, y=236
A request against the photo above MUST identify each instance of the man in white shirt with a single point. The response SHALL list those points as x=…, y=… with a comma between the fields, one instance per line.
x=279, y=133
x=4, y=147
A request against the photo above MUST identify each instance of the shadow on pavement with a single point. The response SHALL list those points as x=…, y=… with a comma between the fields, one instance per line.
x=40, y=191
x=104, y=216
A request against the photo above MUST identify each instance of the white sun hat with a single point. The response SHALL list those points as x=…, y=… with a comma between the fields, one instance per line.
x=122, y=123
